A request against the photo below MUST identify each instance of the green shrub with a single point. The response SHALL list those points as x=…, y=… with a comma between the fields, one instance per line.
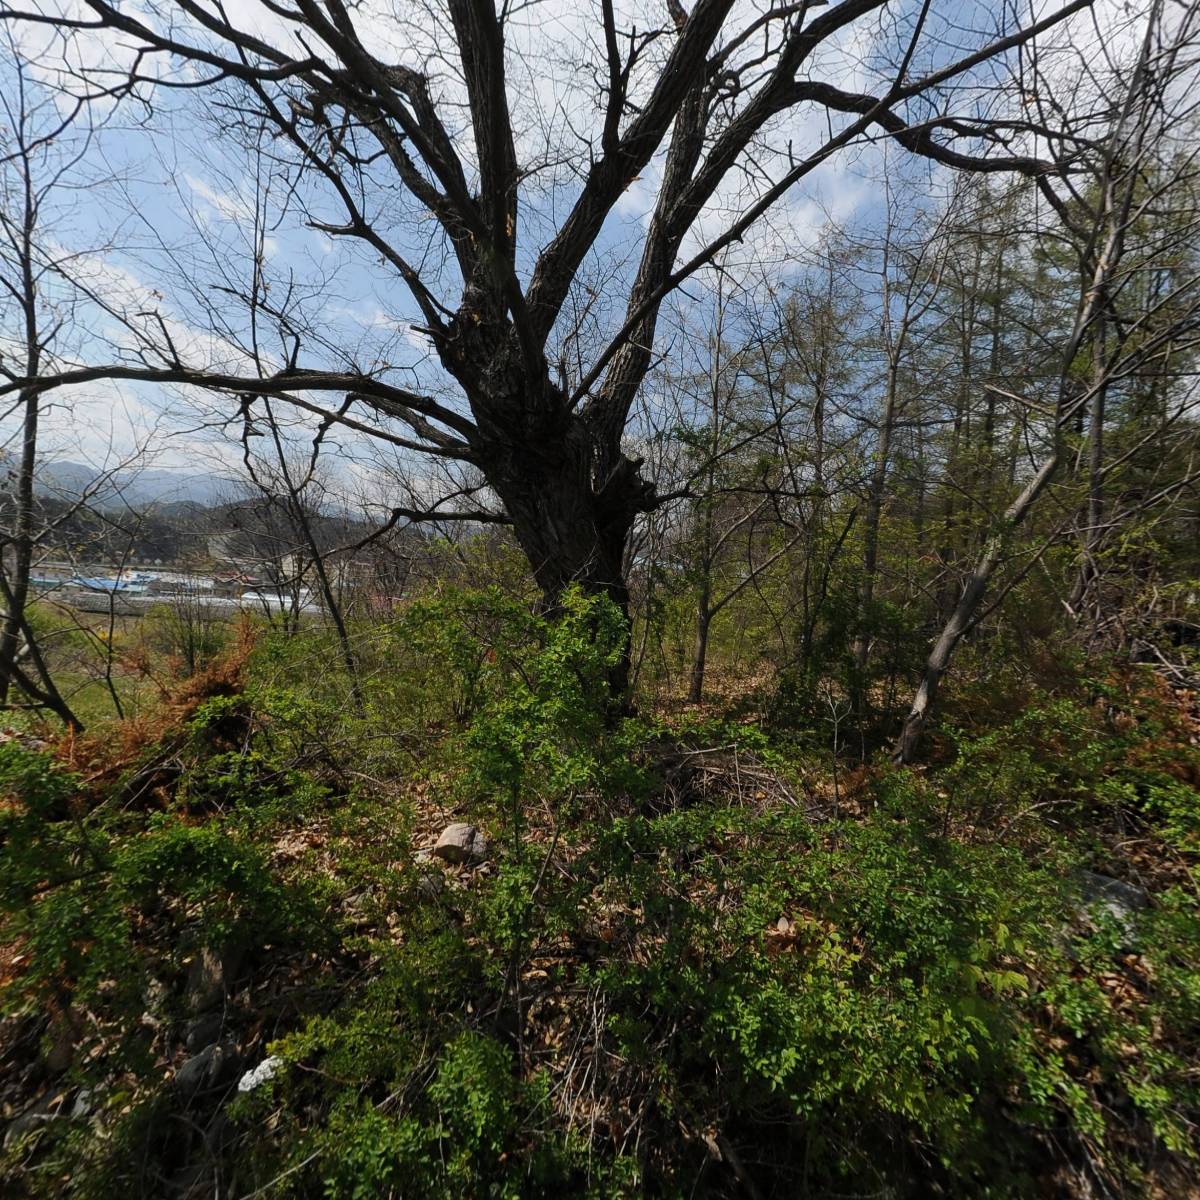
x=647, y=990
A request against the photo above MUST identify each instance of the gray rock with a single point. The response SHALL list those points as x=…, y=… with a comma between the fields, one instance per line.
x=209, y=977
x=210, y=1068
x=461, y=843
x=431, y=883
x=1115, y=899
x=47, y=1108
x=25, y=1124
x=192, y=1074
x=84, y=1104
x=62, y=1048
x=155, y=993
x=203, y=1031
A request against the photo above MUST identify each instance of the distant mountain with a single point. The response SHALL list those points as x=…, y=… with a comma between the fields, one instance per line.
x=159, y=487
x=174, y=493
x=65, y=480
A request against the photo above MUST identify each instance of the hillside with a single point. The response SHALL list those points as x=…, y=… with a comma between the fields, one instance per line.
x=477, y=939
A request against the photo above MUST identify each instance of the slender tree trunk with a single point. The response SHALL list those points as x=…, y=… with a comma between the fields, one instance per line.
x=17, y=593
x=1110, y=230
x=700, y=653
x=1087, y=578
x=300, y=513
x=964, y=612
x=954, y=518
x=989, y=414
x=22, y=547
x=709, y=545
x=874, y=517
x=40, y=688
x=649, y=583
x=15, y=626
x=1099, y=264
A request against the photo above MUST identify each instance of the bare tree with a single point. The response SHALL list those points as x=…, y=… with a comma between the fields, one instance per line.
x=294, y=486
x=695, y=101
x=1137, y=169
x=41, y=154
x=909, y=274
x=726, y=538
x=805, y=336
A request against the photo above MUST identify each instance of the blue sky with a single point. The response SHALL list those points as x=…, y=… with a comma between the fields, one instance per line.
x=176, y=213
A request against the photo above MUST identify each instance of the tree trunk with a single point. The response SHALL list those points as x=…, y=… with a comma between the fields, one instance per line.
x=574, y=533
x=700, y=654
x=964, y=613
x=1087, y=579
x=16, y=594
x=22, y=543
x=1107, y=237
x=879, y=470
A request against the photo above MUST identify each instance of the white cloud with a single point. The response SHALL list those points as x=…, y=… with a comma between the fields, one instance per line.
x=555, y=102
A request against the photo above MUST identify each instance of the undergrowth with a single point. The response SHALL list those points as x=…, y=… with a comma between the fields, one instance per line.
x=682, y=969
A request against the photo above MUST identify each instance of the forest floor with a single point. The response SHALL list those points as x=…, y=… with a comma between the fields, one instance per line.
x=687, y=954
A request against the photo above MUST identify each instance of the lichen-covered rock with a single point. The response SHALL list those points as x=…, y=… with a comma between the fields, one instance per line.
x=461, y=843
